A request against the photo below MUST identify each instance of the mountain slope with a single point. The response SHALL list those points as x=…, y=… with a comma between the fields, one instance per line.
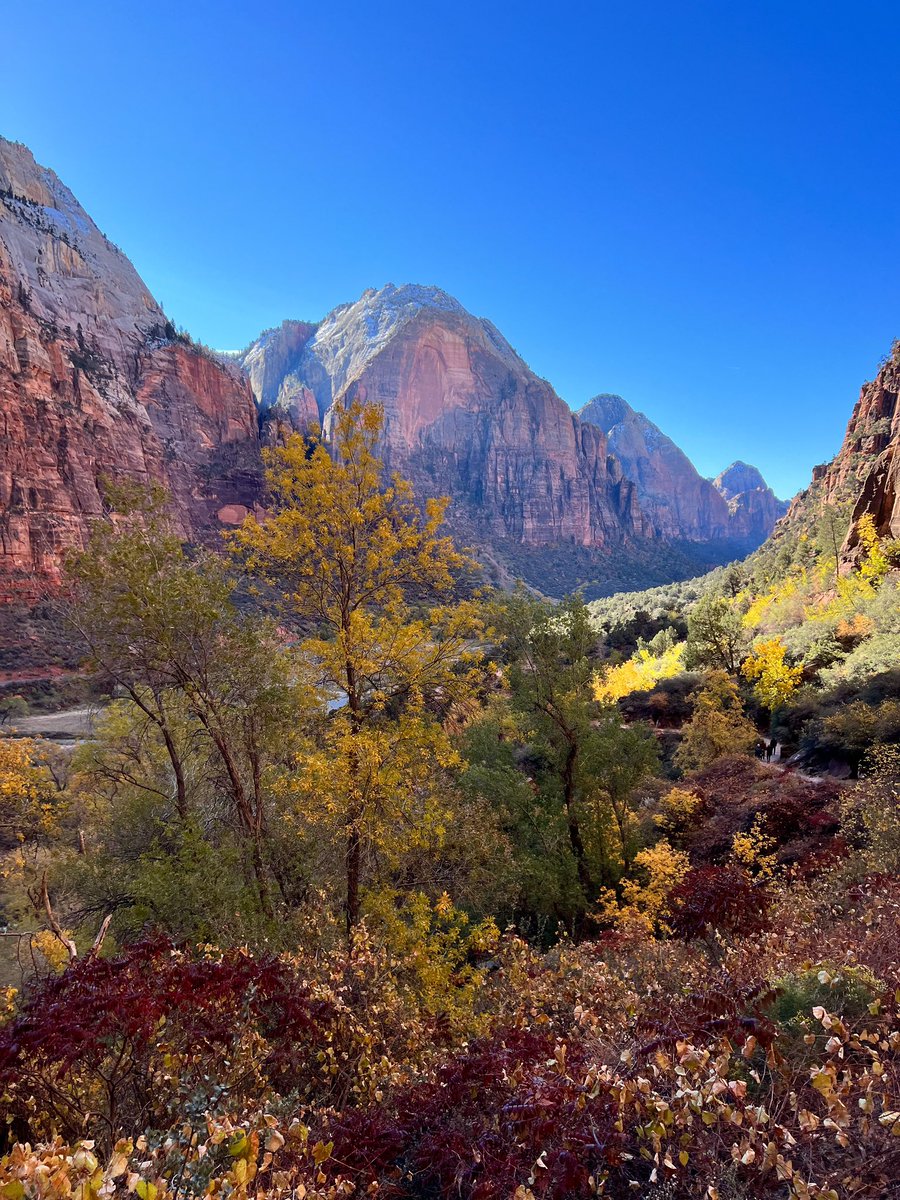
x=862, y=478
x=95, y=382
x=466, y=417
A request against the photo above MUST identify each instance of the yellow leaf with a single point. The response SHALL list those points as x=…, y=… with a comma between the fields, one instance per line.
x=322, y=1152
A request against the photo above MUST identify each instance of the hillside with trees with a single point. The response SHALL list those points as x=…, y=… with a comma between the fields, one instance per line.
x=372, y=883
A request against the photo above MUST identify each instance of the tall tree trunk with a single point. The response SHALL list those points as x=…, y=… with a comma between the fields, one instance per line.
x=160, y=720
x=354, y=811
x=249, y=815
x=177, y=771
x=575, y=840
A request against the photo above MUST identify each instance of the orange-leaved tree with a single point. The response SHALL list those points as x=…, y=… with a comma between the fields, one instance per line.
x=353, y=555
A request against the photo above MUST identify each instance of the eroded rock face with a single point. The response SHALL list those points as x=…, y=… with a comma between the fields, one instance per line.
x=869, y=460
x=464, y=417
x=269, y=362
x=95, y=383
x=738, y=478
x=674, y=496
x=864, y=476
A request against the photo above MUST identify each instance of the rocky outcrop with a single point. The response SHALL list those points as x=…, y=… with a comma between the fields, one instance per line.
x=737, y=479
x=753, y=508
x=94, y=383
x=864, y=476
x=866, y=469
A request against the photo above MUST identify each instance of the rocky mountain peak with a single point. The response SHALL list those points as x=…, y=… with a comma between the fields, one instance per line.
x=681, y=501
x=69, y=273
x=353, y=335
x=739, y=477
x=607, y=410
x=630, y=432
x=669, y=487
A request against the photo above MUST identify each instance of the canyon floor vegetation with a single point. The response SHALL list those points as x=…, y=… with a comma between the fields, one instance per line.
x=369, y=883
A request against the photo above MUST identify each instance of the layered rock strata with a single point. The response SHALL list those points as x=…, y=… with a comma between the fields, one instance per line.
x=96, y=383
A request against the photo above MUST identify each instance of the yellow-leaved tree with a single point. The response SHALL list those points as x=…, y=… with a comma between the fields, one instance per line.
x=641, y=672
x=718, y=725
x=774, y=679
x=30, y=800
x=874, y=564
x=354, y=556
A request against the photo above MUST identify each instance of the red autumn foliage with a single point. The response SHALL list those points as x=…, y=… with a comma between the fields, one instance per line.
x=722, y=900
x=480, y=1126
x=92, y=1038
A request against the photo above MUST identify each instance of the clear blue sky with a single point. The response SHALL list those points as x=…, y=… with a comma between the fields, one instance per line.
x=696, y=205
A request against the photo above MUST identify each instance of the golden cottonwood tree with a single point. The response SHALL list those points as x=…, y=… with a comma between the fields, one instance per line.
x=354, y=556
x=774, y=679
x=718, y=726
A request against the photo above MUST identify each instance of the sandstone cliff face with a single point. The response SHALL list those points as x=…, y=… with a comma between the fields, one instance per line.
x=94, y=383
x=753, y=508
x=675, y=497
x=464, y=416
x=867, y=467
x=269, y=362
x=739, y=477
x=864, y=476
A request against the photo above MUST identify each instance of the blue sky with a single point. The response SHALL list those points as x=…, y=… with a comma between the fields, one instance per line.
x=696, y=205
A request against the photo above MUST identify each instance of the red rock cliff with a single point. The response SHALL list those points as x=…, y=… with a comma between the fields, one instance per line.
x=864, y=476
x=94, y=382
x=870, y=455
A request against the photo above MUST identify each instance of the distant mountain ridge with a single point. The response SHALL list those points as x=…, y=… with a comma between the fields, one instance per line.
x=95, y=382
x=683, y=503
x=465, y=415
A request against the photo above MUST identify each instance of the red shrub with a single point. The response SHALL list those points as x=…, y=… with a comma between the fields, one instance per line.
x=95, y=1039
x=479, y=1128
x=718, y=900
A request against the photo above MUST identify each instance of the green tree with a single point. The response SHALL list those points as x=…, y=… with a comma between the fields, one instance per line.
x=831, y=530
x=718, y=726
x=590, y=763
x=716, y=637
x=162, y=627
x=12, y=708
